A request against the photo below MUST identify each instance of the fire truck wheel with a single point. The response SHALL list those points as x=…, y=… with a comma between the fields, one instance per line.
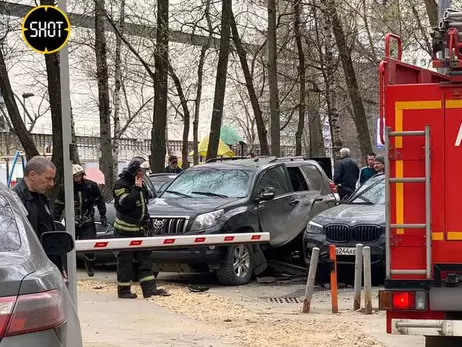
x=237, y=267
x=443, y=341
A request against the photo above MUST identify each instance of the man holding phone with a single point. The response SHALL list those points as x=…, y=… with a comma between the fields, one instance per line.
x=130, y=201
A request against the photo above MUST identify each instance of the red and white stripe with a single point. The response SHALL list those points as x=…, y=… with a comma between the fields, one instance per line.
x=169, y=241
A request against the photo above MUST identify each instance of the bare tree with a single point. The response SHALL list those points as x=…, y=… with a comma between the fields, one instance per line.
x=220, y=84
x=160, y=89
x=273, y=80
x=302, y=78
x=117, y=89
x=262, y=133
x=106, y=162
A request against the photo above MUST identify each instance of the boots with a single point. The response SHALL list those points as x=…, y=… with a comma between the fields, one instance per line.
x=124, y=292
x=89, y=266
x=149, y=289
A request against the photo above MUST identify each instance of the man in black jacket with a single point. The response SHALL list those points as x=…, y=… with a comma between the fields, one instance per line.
x=39, y=178
x=86, y=195
x=132, y=218
x=346, y=174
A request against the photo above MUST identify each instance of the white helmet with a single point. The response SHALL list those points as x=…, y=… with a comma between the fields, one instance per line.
x=77, y=169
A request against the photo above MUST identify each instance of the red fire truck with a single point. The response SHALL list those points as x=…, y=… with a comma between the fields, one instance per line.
x=422, y=113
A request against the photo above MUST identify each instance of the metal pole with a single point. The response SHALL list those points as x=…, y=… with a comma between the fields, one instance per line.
x=67, y=164
x=367, y=281
x=387, y=205
x=358, y=277
x=333, y=277
x=428, y=208
x=310, y=280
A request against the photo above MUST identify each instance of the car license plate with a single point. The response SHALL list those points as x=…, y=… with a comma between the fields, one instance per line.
x=345, y=250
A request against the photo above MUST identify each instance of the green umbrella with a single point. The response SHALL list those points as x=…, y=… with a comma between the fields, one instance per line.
x=229, y=135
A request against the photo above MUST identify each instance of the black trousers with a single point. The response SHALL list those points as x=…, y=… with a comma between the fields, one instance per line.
x=86, y=232
x=125, y=264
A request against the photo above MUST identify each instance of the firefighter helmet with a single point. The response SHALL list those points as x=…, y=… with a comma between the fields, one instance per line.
x=77, y=170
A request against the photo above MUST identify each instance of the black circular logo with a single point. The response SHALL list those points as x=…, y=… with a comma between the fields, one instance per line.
x=46, y=29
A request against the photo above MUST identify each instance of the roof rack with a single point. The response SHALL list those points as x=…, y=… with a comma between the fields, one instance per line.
x=213, y=160
x=300, y=157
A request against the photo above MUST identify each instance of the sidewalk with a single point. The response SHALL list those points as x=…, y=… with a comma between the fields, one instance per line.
x=110, y=322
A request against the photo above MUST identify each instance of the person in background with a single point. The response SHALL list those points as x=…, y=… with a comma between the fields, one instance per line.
x=172, y=166
x=367, y=171
x=346, y=174
x=39, y=178
x=379, y=164
x=87, y=194
x=132, y=217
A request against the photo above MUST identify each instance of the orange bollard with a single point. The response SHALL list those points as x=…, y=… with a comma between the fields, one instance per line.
x=333, y=277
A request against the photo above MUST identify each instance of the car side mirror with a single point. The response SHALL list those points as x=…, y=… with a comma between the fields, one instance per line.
x=57, y=242
x=267, y=193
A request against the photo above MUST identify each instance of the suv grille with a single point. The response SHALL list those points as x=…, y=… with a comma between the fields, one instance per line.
x=169, y=225
x=337, y=233
x=358, y=233
x=366, y=233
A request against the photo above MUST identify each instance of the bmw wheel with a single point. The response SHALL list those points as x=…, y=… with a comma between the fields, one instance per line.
x=237, y=267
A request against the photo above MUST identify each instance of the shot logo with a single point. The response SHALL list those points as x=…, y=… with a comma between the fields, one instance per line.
x=46, y=29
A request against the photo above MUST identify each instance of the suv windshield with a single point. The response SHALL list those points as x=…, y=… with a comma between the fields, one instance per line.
x=205, y=182
x=373, y=192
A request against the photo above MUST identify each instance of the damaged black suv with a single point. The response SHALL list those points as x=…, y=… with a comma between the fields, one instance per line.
x=264, y=194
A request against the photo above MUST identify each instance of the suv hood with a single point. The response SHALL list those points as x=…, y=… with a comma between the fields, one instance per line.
x=188, y=206
x=352, y=214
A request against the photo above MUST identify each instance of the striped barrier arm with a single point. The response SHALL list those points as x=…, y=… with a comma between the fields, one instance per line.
x=162, y=241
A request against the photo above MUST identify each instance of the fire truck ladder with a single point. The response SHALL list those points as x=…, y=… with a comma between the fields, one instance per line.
x=427, y=226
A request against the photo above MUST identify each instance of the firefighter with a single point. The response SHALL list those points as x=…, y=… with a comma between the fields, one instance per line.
x=130, y=201
x=87, y=194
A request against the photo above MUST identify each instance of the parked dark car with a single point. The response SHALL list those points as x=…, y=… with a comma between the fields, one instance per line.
x=277, y=195
x=359, y=219
x=35, y=305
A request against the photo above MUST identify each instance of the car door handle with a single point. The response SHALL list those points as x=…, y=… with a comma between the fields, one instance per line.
x=318, y=200
x=294, y=201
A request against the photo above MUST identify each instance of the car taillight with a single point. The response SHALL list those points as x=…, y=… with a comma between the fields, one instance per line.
x=402, y=300
x=333, y=188
x=31, y=313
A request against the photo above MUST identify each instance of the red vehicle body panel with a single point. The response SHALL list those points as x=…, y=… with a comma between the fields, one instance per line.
x=412, y=98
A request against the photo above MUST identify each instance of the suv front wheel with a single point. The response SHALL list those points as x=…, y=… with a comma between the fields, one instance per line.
x=237, y=267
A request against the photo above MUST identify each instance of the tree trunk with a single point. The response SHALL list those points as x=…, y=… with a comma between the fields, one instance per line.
x=432, y=12
x=302, y=73
x=117, y=89
x=262, y=133
x=220, y=84
x=331, y=89
x=359, y=113
x=74, y=150
x=160, y=89
x=19, y=127
x=273, y=80
x=106, y=162
x=316, y=144
x=200, y=77
x=186, y=116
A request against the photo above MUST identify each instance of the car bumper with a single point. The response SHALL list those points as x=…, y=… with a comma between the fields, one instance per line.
x=319, y=240
x=47, y=338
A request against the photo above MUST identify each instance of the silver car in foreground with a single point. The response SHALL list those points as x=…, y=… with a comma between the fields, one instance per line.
x=35, y=306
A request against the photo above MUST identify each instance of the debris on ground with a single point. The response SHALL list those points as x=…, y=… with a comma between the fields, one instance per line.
x=255, y=328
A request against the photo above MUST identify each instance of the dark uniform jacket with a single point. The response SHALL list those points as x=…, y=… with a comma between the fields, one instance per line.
x=130, y=203
x=87, y=194
x=346, y=173
x=38, y=208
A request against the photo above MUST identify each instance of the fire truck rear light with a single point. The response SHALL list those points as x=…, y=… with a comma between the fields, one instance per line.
x=385, y=300
x=31, y=313
x=403, y=300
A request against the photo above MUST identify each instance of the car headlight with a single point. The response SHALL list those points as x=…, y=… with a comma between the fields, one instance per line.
x=314, y=228
x=207, y=220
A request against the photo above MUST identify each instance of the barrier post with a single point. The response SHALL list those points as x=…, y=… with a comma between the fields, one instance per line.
x=311, y=279
x=333, y=277
x=358, y=276
x=367, y=281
